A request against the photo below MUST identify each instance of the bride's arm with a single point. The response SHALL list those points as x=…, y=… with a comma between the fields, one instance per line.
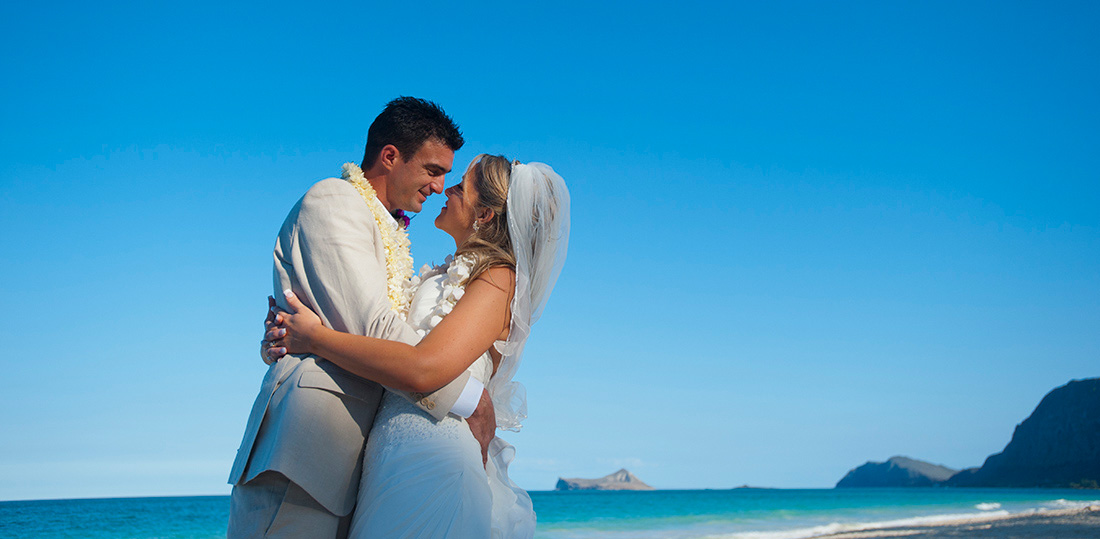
x=478, y=319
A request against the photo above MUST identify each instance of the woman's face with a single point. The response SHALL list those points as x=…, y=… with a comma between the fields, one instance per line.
x=458, y=214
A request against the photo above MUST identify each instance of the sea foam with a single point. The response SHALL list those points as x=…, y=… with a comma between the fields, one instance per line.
x=1067, y=504
x=837, y=527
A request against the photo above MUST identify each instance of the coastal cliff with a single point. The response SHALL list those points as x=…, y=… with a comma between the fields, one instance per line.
x=1058, y=445
x=620, y=480
x=896, y=472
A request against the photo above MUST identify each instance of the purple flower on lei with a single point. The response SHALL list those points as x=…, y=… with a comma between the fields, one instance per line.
x=400, y=217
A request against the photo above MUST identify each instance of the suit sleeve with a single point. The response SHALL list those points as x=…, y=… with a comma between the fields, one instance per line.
x=332, y=260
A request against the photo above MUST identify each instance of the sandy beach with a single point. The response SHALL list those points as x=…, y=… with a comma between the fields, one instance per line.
x=1081, y=523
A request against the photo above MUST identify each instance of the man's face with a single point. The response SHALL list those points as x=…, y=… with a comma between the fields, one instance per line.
x=410, y=183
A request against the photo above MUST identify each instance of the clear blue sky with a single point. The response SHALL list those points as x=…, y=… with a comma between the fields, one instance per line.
x=805, y=235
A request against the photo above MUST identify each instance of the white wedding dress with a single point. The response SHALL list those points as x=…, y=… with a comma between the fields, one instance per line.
x=424, y=478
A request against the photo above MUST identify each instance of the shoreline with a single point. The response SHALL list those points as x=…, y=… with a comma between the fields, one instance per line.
x=1082, y=523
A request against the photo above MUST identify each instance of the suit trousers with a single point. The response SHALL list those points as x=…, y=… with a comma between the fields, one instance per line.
x=272, y=506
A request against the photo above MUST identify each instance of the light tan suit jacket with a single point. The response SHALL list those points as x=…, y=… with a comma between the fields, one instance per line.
x=311, y=418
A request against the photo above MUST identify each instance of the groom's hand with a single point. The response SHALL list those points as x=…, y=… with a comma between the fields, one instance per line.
x=483, y=423
x=269, y=324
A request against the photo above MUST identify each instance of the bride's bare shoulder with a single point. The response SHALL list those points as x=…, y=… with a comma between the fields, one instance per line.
x=502, y=278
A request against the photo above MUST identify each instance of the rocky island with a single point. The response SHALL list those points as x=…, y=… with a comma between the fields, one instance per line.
x=897, y=472
x=620, y=480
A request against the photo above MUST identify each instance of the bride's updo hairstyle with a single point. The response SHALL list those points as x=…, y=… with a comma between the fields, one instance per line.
x=490, y=244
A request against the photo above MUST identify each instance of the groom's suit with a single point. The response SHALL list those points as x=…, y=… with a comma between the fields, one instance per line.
x=310, y=420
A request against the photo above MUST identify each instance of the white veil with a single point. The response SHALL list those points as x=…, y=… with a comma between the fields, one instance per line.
x=538, y=223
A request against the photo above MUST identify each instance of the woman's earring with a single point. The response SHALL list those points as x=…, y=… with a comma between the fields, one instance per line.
x=477, y=225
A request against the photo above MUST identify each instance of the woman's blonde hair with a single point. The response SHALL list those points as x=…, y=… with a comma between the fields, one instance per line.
x=490, y=244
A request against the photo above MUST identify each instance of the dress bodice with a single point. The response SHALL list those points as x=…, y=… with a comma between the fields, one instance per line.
x=399, y=420
x=425, y=477
x=423, y=315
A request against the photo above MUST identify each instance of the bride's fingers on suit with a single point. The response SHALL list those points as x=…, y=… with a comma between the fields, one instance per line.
x=276, y=352
x=274, y=334
x=276, y=318
x=292, y=302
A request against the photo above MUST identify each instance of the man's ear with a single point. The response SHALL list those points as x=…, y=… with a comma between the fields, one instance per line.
x=388, y=156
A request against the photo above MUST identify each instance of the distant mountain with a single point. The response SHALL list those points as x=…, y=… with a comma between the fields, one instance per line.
x=1058, y=445
x=896, y=472
x=620, y=480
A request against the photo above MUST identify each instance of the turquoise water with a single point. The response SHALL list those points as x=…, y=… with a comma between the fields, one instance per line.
x=196, y=517
x=663, y=514
x=765, y=513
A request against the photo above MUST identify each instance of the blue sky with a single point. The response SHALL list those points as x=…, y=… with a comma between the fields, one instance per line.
x=805, y=235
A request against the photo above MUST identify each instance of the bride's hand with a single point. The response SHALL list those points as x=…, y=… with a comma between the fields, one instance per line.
x=292, y=330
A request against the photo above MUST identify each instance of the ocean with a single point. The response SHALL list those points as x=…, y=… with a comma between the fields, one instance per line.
x=661, y=514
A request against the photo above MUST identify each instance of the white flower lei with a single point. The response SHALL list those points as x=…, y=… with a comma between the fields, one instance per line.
x=454, y=286
x=399, y=262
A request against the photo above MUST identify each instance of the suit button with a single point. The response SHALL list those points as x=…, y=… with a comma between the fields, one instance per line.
x=430, y=405
x=418, y=396
x=425, y=402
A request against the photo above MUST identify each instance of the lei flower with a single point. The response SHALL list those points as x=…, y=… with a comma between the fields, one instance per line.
x=399, y=263
x=402, y=218
x=457, y=270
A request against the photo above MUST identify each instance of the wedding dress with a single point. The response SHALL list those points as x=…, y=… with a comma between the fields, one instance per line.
x=424, y=478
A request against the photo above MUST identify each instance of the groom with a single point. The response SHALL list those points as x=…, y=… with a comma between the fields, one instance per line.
x=298, y=468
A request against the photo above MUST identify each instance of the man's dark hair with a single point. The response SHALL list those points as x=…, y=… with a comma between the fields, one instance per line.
x=408, y=122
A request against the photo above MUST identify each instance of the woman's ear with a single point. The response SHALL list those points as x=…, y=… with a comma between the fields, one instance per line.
x=484, y=215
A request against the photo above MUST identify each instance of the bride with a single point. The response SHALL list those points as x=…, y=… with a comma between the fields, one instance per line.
x=425, y=478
